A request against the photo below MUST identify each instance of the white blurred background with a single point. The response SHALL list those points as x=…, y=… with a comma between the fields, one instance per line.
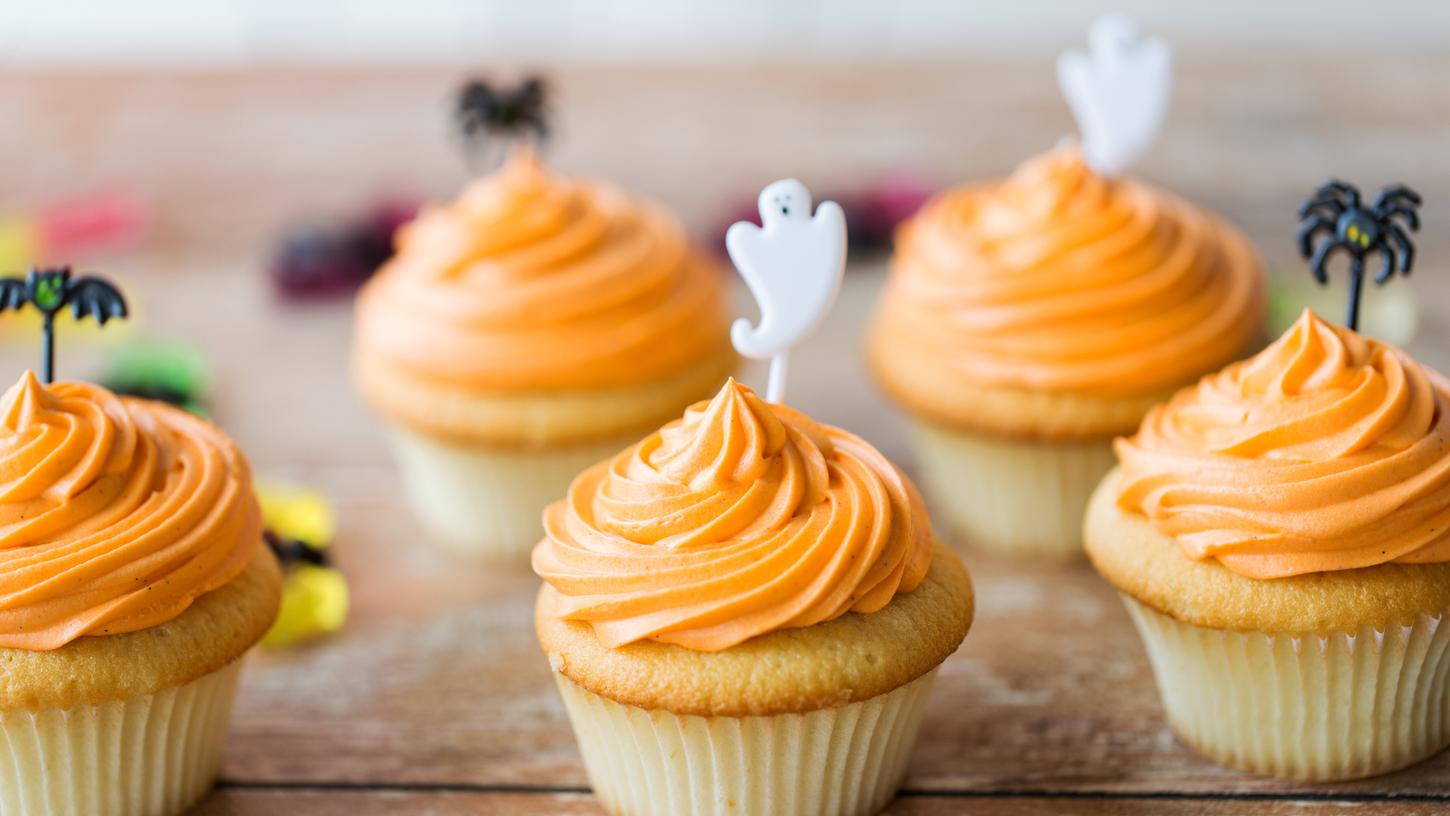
x=232, y=32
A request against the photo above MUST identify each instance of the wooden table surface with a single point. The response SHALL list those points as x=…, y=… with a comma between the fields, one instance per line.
x=435, y=698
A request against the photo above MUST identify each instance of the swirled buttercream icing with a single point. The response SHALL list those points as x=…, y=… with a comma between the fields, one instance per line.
x=739, y=519
x=531, y=281
x=115, y=513
x=1058, y=279
x=1327, y=451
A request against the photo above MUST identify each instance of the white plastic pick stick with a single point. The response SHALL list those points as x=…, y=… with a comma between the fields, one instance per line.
x=1118, y=92
x=793, y=266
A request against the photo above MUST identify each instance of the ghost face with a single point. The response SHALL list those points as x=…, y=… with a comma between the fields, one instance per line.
x=784, y=201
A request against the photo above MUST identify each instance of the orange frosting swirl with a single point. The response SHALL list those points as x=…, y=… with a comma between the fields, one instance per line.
x=1327, y=451
x=739, y=519
x=530, y=281
x=1058, y=279
x=115, y=513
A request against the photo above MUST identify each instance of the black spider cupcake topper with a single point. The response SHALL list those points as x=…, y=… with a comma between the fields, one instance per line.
x=49, y=291
x=487, y=113
x=1336, y=220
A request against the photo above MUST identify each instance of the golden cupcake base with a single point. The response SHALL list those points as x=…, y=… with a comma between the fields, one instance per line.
x=818, y=719
x=1317, y=677
x=148, y=755
x=484, y=501
x=531, y=420
x=848, y=760
x=1008, y=495
x=1321, y=708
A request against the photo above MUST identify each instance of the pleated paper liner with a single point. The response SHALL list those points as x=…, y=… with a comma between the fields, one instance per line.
x=486, y=501
x=1013, y=496
x=154, y=755
x=846, y=761
x=1319, y=708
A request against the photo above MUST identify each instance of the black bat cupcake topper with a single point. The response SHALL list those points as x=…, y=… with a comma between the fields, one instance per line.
x=487, y=112
x=49, y=291
x=1334, y=219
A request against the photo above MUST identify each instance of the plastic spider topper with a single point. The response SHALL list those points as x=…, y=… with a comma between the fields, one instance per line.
x=490, y=115
x=1118, y=91
x=1334, y=220
x=50, y=290
x=793, y=265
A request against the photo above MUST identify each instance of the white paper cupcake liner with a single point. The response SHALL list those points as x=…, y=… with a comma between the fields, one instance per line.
x=154, y=755
x=1341, y=706
x=489, y=502
x=839, y=761
x=1015, y=496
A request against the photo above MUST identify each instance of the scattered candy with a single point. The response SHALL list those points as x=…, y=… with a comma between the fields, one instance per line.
x=316, y=263
x=69, y=229
x=173, y=373
x=873, y=216
x=297, y=513
x=314, y=604
x=300, y=527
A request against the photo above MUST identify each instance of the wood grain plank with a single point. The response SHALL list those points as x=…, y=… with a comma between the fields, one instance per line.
x=439, y=681
x=249, y=802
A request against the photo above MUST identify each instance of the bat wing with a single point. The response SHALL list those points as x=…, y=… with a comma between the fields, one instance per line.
x=96, y=298
x=13, y=293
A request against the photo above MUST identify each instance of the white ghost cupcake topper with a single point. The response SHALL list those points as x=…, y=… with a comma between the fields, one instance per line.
x=793, y=266
x=1118, y=92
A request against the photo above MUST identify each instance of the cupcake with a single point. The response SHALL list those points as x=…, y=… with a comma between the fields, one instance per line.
x=1280, y=533
x=522, y=333
x=744, y=613
x=1026, y=323
x=132, y=582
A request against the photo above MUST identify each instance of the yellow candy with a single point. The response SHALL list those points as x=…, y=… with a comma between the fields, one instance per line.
x=314, y=603
x=18, y=245
x=314, y=598
x=297, y=513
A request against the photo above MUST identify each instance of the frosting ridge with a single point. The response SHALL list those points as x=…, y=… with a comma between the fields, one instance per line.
x=1326, y=451
x=115, y=513
x=1058, y=279
x=740, y=518
x=532, y=281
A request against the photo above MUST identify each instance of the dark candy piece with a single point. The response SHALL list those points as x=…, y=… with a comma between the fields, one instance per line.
x=371, y=240
x=315, y=263
x=171, y=373
x=295, y=551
